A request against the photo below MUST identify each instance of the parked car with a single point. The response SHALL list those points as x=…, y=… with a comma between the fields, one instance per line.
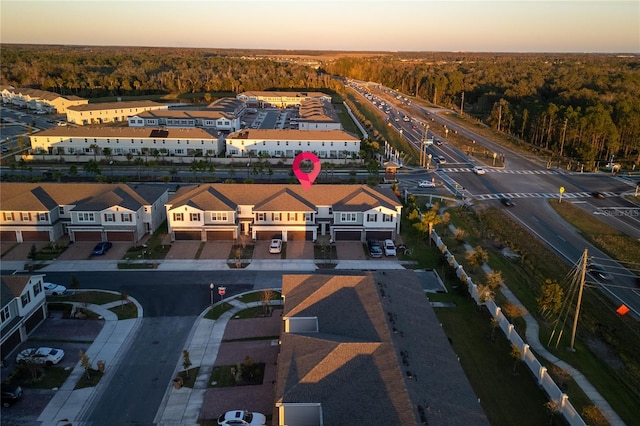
x=51, y=289
x=374, y=249
x=389, y=248
x=598, y=270
x=479, y=170
x=101, y=248
x=242, y=417
x=426, y=184
x=46, y=356
x=275, y=246
x=10, y=394
x=507, y=202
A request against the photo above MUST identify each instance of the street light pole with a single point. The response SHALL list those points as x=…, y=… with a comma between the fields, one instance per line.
x=211, y=287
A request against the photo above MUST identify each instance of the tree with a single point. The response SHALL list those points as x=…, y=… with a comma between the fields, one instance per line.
x=86, y=364
x=186, y=362
x=513, y=311
x=516, y=354
x=124, y=297
x=477, y=257
x=92, y=167
x=494, y=326
x=594, y=416
x=552, y=409
x=550, y=298
x=266, y=296
x=75, y=282
x=95, y=148
x=494, y=279
x=427, y=221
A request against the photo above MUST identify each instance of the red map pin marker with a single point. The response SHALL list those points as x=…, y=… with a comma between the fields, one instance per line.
x=306, y=179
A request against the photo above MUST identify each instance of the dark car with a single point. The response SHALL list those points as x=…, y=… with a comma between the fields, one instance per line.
x=10, y=394
x=599, y=271
x=101, y=248
x=507, y=202
x=375, y=249
x=598, y=195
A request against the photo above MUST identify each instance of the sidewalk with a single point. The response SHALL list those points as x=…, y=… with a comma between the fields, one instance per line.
x=533, y=340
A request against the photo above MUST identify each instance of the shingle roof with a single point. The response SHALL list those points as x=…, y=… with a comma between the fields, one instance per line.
x=12, y=286
x=317, y=110
x=248, y=194
x=293, y=135
x=256, y=94
x=89, y=196
x=125, y=132
x=185, y=114
x=380, y=353
x=101, y=106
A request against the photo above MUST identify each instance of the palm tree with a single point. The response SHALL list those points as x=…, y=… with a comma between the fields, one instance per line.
x=516, y=354
x=95, y=148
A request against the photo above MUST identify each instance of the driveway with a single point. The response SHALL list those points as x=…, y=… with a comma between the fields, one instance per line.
x=183, y=250
x=350, y=250
x=261, y=250
x=216, y=250
x=300, y=250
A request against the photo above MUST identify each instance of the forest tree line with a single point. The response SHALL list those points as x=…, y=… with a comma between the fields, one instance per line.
x=585, y=107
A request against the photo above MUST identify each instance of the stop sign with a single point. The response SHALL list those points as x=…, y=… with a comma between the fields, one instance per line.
x=222, y=290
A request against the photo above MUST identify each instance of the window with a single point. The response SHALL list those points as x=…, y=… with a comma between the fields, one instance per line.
x=372, y=217
x=219, y=217
x=37, y=289
x=330, y=210
x=308, y=217
x=347, y=217
x=5, y=314
x=8, y=217
x=26, y=217
x=61, y=210
x=194, y=217
x=261, y=217
x=387, y=218
x=44, y=217
x=25, y=298
x=292, y=217
x=109, y=217
x=85, y=217
x=178, y=217
x=276, y=217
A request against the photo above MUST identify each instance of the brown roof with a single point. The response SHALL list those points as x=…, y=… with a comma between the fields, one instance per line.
x=379, y=355
x=281, y=197
x=15, y=283
x=293, y=134
x=317, y=110
x=184, y=114
x=256, y=94
x=125, y=132
x=86, y=196
x=35, y=93
x=101, y=106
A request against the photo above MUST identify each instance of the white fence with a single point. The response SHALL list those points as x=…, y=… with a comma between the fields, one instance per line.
x=528, y=358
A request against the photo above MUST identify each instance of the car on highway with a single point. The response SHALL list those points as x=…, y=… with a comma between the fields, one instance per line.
x=438, y=142
x=43, y=355
x=389, y=248
x=479, y=170
x=375, y=250
x=598, y=195
x=10, y=394
x=440, y=159
x=507, y=202
x=101, y=248
x=242, y=417
x=275, y=246
x=426, y=184
x=51, y=289
x=599, y=271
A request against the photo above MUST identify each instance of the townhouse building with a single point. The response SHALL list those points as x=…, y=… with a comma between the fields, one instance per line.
x=290, y=142
x=187, y=119
x=84, y=212
x=40, y=100
x=226, y=211
x=22, y=309
x=317, y=114
x=109, y=112
x=267, y=99
x=127, y=140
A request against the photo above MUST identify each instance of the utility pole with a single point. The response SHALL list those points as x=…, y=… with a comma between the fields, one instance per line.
x=575, y=319
x=462, y=105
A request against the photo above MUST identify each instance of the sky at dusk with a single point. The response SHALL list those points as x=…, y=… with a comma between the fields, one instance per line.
x=608, y=26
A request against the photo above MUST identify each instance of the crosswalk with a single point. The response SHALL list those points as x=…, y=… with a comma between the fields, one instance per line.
x=567, y=195
x=504, y=171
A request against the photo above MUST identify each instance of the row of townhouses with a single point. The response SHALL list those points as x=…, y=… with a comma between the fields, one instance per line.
x=22, y=309
x=121, y=212
x=39, y=100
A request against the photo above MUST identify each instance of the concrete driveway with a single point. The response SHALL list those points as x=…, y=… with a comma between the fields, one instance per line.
x=300, y=250
x=183, y=250
x=216, y=249
x=350, y=250
x=261, y=250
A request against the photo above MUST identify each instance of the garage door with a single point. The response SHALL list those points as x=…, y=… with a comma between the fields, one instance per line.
x=8, y=236
x=267, y=235
x=378, y=235
x=219, y=235
x=299, y=235
x=87, y=236
x=35, y=235
x=188, y=236
x=120, y=236
x=348, y=235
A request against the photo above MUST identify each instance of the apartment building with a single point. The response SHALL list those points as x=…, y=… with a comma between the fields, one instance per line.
x=109, y=112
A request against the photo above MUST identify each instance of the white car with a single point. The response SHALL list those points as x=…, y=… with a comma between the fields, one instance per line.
x=51, y=289
x=46, y=356
x=389, y=248
x=276, y=246
x=242, y=417
x=479, y=170
x=426, y=184
x=441, y=160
